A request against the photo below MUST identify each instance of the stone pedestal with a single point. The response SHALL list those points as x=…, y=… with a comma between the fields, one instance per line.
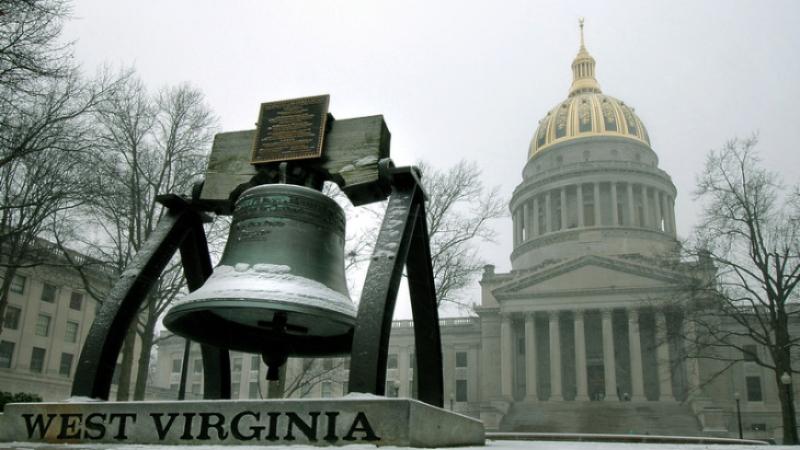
x=356, y=420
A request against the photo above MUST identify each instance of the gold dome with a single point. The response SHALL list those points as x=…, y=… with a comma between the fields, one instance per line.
x=587, y=112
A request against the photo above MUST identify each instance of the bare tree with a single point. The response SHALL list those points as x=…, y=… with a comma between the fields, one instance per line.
x=44, y=129
x=29, y=42
x=459, y=211
x=299, y=376
x=748, y=247
x=148, y=145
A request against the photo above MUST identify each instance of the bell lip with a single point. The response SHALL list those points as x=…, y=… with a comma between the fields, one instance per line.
x=297, y=345
x=249, y=303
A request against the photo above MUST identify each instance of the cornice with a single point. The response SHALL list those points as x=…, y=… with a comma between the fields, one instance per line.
x=573, y=234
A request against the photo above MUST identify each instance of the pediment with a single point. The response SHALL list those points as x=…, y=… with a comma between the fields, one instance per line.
x=589, y=273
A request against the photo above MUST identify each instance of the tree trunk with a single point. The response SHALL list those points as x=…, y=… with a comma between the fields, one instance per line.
x=124, y=386
x=142, y=371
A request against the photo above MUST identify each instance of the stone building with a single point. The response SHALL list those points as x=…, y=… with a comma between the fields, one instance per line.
x=45, y=325
x=582, y=334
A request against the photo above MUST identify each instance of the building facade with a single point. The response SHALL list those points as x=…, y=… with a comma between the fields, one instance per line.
x=582, y=334
x=45, y=325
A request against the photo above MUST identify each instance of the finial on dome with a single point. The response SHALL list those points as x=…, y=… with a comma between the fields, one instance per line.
x=583, y=70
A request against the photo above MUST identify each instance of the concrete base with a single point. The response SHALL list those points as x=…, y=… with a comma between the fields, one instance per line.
x=324, y=422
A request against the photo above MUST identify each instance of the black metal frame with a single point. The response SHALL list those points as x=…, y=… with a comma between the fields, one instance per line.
x=402, y=242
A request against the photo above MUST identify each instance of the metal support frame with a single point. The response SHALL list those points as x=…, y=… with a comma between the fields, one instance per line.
x=180, y=228
x=402, y=241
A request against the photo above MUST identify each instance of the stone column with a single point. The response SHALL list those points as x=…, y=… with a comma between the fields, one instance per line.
x=582, y=391
x=526, y=224
x=536, y=216
x=671, y=213
x=515, y=226
x=637, y=379
x=692, y=364
x=548, y=211
x=579, y=196
x=631, y=209
x=614, y=205
x=609, y=366
x=531, y=392
x=555, y=359
x=564, y=208
x=659, y=211
x=597, y=204
x=645, y=207
x=662, y=358
x=506, y=353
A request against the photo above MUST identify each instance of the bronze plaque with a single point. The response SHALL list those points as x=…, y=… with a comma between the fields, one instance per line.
x=290, y=129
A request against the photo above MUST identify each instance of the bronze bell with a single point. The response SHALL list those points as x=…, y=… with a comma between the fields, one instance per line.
x=279, y=289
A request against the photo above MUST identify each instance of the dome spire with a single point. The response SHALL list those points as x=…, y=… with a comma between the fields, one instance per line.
x=583, y=79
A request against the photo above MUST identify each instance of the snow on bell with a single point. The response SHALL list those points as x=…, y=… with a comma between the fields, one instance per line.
x=280, y=288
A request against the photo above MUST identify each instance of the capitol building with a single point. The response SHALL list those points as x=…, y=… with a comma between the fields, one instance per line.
x=583, y=334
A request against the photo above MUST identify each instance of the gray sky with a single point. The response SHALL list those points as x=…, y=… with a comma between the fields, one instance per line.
x=469, y=79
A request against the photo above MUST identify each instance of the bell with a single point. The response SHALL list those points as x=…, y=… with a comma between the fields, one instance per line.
x=279, y=289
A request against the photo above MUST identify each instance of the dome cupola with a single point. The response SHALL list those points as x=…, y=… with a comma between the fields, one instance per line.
x=586, y=112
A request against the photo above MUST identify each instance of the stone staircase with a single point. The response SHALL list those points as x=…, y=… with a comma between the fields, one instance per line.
x=653, y=418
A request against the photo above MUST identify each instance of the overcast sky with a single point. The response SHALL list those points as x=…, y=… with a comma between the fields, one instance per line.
x=470, y=80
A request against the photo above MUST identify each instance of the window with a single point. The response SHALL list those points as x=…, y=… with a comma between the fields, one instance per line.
x=753, y=389
x=18, y=284
x=176, y=365
x=327, y=389
x=198, y=366
x=11, y=321
x=411, y=360
x=65, y=368
x=75, y=301
x=49, y=293
x=391, y=362
x=234, y=390
x=37, y=359
x=392, y=390
x=71, y=333
x=254, y=391
x=461, y=390
x=749, y=352
x=255, y=362
x=237, y=365
x=42, y=325
x=6, y=353
x=461, y=359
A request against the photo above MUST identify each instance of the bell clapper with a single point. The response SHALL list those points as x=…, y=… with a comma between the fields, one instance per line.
x=274, y=359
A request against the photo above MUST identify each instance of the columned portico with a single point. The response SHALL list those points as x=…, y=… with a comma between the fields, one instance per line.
x=506, y=353
x=637, y=380
x=530, y=358
x=662, y=359
x=555, y=358
x=609, y=365
x=581, y=386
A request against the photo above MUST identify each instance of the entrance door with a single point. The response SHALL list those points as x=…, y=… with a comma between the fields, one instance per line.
x=596, y=381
